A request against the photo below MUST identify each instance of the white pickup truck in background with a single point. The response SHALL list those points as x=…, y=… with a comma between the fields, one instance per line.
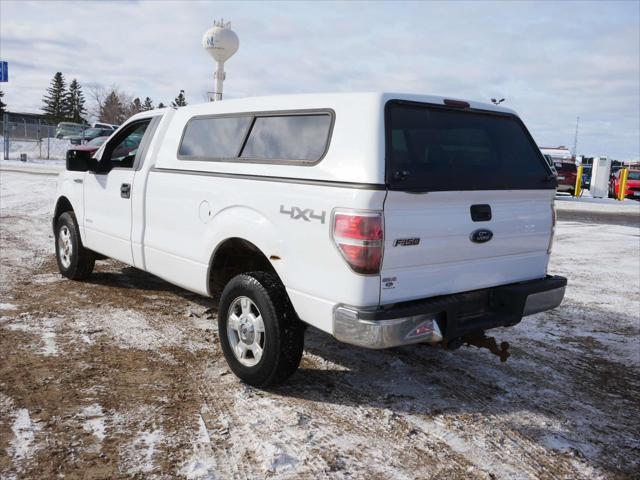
x=382, y=219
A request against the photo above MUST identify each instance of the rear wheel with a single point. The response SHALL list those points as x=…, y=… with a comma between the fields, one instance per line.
x=74, y=261
x=261, y=336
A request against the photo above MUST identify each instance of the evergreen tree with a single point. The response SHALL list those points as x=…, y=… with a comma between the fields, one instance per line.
x=112, y=109
x=136, y=107
x=74, y=103
x=147, y=105
x=180, y=100
x=54, y=105
x=2, y=105
x=162, y=105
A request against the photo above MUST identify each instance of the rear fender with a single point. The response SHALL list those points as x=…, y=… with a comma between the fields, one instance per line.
x=247, y=224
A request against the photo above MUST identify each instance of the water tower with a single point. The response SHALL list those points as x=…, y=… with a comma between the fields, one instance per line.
x=221, y=42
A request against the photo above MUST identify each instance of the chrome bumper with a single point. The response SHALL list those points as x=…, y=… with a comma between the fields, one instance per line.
x=349, y=328
x=543, y=301
x=446, y=317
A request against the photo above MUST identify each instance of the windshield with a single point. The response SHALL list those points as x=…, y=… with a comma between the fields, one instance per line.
x=633, y=176
x=97, y=141
x=567, y=167
x=434, y=148
x=92, y=131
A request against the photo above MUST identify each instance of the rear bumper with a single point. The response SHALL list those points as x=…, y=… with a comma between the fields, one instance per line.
x=566, y=187
x=446, y=317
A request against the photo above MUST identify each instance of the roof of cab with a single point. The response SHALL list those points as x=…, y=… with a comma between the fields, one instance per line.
x=322, y=100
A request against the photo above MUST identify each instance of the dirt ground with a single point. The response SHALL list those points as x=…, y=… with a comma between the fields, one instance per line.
x=122, y=376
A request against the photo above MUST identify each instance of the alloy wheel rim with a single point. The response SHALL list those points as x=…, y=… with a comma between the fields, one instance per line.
x=245, y=331
x=65, y=246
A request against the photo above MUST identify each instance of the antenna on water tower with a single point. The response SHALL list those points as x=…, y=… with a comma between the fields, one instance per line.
x=221, y=43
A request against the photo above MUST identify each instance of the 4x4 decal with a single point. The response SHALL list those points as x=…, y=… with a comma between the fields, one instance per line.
x=306, y=214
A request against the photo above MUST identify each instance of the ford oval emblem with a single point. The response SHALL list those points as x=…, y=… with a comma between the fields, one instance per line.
x=481, y=236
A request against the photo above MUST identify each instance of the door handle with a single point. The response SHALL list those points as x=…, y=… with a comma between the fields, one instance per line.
x=480, y=213
x=125, y=190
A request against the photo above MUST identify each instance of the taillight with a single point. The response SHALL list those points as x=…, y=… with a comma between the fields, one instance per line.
x=553, y=227
x=359, y=237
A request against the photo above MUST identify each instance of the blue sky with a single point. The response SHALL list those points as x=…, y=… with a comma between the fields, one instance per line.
x=552, y=61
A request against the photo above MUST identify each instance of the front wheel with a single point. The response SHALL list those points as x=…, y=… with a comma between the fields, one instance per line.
x=261, y=336
x=74, y=261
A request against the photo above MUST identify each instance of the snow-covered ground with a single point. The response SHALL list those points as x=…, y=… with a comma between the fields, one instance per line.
x=122, y=375
x=37, y=152
x=607, y=205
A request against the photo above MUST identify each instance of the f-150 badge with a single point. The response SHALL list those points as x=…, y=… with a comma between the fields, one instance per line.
x=406, y=242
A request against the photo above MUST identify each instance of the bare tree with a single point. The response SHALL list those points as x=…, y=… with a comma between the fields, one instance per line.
x=97, y=95
x=111, y=105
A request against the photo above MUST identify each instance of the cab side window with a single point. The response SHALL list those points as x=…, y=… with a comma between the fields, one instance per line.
x=123, y=152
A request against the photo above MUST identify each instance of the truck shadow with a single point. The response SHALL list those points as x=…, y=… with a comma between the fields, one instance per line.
x=131, y=278
x=569, y=394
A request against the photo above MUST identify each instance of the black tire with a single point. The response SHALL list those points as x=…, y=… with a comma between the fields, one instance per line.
x=79, y=262
x=283, y=338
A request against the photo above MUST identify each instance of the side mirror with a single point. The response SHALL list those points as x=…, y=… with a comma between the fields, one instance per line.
x=78, y=161
x=81, y=161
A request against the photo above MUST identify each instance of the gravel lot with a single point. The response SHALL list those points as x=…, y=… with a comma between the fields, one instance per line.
x=122, y=376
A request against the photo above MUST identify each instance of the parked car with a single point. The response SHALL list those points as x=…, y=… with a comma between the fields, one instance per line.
x=381, y=219
x=105, y=125
x=68, y=128
x=89, y=134
x=567, y=175
x=586, y=176
x=552, y=166
x=633, y=184
x=96, y=142
x=87, y=151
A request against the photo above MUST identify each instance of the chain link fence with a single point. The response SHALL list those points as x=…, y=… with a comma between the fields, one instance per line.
x=22, y=139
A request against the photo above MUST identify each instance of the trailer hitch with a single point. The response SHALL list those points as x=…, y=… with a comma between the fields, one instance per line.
x=480, y=340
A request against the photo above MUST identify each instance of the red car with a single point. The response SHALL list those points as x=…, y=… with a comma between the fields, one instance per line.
x=567, y=174
x=90, y=147
x=633, y=184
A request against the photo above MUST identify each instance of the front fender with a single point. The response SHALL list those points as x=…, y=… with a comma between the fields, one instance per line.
x=70, y=188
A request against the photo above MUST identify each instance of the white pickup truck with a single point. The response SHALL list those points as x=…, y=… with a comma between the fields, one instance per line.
x=382, y=219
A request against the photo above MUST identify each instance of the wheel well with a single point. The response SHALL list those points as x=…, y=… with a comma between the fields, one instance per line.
x=233, y=257
x=62, y=205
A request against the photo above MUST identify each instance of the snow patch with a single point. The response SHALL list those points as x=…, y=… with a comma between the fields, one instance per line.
x=37, y=153
x=94, y=421
x=49, y=340
x=7, y=306
x=132, y=330
x=46, y=278
x=275, y=458
x=43, y=328
x=202, y=464
x=24, y=431
x=144, y=449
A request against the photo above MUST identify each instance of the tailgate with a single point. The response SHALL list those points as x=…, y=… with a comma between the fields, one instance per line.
x=430, y=247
